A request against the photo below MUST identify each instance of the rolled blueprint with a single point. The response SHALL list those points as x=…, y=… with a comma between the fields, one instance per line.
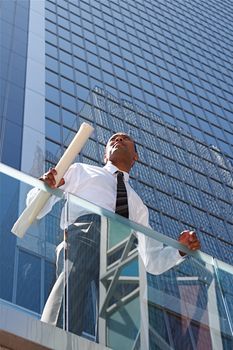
x=31, y=212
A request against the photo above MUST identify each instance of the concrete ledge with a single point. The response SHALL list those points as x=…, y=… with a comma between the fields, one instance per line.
x=19, y=331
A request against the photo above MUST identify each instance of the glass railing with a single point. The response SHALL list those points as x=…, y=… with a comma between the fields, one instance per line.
x=81, y=268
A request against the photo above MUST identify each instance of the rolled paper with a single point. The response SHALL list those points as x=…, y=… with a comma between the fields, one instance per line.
x=74, y=148
x=31, y=212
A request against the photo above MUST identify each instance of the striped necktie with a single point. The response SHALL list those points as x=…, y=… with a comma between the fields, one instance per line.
x=121, y=199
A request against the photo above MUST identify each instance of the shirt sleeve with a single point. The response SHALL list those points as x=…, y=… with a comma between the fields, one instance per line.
x=70, y=177
x=156, y=258
x=47, y=207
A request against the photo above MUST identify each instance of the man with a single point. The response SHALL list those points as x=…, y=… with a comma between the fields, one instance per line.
x=99, y=186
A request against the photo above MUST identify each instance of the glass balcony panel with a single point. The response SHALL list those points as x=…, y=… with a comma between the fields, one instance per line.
x=78, y=267
x=225, y=280
x=27, y=264
x=179, y=308
x=190, y=298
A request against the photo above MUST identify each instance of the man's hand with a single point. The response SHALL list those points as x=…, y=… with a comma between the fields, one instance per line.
x=49, y=178
x=190, y=240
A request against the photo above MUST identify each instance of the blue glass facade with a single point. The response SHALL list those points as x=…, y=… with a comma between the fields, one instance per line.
x=13, y=46
x=161, y=72
x=14, y=35
x=22, y=267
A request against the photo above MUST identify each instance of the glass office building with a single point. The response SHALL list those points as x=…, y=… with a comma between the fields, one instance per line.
x=158, y=70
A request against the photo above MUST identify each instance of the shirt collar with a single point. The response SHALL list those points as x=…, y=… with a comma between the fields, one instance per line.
x=112, y=169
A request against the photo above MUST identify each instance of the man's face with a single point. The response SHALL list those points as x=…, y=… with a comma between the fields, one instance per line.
x=120, y=147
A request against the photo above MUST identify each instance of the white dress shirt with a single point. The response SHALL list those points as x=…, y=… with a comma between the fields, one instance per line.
x=99, y=186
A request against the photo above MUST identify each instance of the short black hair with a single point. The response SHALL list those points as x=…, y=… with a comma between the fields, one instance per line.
x=127, y=134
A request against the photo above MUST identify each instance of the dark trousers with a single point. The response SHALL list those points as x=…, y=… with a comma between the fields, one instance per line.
x=82, y=288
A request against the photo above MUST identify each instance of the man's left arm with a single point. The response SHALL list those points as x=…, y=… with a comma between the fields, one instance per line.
x=157, y=258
